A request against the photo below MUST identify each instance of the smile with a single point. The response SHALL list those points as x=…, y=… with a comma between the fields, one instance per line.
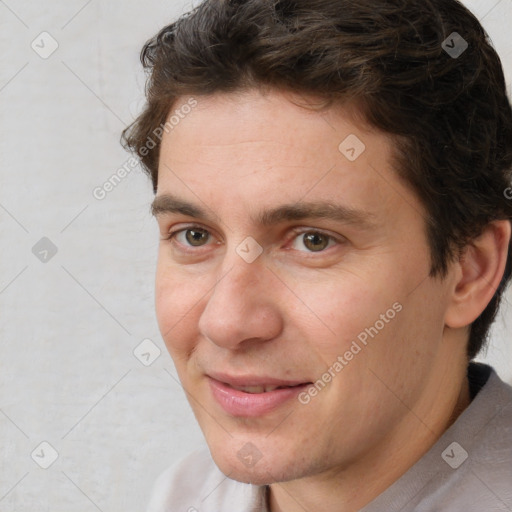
x=253, y=399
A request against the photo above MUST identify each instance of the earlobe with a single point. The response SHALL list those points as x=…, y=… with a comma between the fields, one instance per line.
x=479, y=270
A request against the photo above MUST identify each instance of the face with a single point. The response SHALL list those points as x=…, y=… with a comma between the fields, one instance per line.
x=293, y=257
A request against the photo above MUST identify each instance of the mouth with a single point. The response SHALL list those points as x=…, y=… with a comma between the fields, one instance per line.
x=251, y=396
x=260, y=389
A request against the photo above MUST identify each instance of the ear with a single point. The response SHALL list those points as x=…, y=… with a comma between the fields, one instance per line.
x=478, y=271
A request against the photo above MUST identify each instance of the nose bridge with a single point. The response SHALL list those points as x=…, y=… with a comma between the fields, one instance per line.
x=238, y=284
x=239, y=306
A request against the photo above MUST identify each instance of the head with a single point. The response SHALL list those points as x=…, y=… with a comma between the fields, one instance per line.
x=334, y=184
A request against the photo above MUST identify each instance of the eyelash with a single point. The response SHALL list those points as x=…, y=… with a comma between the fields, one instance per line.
x=296, y=233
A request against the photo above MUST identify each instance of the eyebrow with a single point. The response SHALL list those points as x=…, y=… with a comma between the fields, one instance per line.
x=168, y=204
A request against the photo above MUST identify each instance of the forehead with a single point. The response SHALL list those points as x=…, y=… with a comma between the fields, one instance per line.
x=266, y=149
x=287, y=121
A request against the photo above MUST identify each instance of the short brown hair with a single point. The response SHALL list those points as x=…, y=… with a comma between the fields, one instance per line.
x=449, y=115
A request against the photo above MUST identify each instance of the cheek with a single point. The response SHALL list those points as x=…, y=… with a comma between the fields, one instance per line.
x=177, y=304
x=338, y=309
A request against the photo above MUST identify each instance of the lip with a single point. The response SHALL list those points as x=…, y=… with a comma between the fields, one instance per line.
x=252, y=380
x=240, y=403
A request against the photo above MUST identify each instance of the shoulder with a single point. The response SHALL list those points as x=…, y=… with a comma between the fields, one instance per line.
x=477, y=454
x=469, y=468
x=195, y=484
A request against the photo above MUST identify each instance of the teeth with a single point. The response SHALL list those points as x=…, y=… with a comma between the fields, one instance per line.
x=255, y=389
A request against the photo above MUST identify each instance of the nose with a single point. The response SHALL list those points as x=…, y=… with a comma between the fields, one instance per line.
x=241, y=308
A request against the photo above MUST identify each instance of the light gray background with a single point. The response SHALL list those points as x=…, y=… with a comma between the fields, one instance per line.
x=69, y=326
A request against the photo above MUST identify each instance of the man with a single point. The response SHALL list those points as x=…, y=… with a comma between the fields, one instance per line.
x=330, y=182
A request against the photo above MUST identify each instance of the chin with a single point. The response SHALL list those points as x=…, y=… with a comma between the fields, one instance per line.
x=264, y=471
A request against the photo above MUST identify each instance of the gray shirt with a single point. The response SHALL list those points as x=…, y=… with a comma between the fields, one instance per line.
x=468, y=469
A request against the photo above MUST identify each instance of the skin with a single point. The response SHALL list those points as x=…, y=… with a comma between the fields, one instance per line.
x=293, y=311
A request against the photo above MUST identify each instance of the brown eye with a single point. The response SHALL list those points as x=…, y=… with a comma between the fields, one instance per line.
x=315, y=242
x=197, y=237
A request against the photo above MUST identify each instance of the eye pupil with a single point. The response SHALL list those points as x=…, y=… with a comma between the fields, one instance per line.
x=196, y=237
x=316, y=241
